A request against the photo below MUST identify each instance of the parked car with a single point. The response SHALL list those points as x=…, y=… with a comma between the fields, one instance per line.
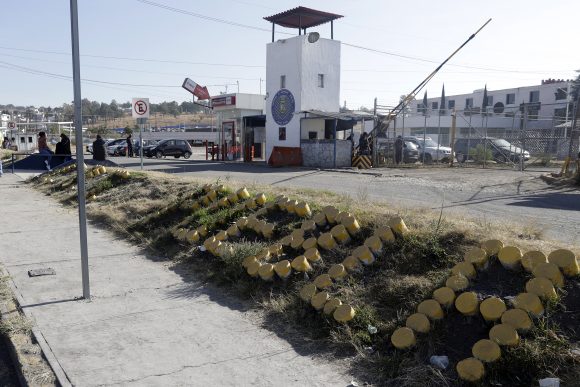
x=146, y=143
x=410, y=149
x=175, y=148
x=501, y=150
x=117, y=147
x=432, y=150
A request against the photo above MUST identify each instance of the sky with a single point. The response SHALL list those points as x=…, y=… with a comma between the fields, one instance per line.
x=136, y=48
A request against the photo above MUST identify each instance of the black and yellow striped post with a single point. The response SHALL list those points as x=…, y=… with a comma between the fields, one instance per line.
x=362, y=162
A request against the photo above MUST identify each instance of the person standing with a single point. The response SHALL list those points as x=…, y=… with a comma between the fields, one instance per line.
x=363, y=144
x=43, y=149
x=99, y=149
x=129, y=146
x=399, y=150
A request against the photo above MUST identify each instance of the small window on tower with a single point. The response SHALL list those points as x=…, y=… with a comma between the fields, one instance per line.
x=320, y=80
x=282, y=133
x=282, y=81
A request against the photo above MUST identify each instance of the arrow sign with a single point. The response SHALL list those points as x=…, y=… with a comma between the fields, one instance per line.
x=195, y=89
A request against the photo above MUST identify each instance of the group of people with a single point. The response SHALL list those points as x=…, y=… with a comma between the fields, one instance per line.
x=62, y=151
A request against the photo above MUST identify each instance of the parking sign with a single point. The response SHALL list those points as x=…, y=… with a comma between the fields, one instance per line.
x=140, y=108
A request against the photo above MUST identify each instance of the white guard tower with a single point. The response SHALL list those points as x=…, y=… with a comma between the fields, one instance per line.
x=302, y=74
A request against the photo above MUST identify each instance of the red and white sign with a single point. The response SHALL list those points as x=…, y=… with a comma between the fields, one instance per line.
x=12, y=125
x=195, y=89
x=140, y=107
x=224, y=101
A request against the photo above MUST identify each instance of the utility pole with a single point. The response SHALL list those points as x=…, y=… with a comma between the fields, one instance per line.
x=79, y=148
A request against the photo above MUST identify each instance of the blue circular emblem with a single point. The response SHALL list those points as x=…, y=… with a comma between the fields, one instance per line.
x=283, y=106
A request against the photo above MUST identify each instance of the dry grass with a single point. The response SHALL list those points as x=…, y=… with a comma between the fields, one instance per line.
x=146, y=207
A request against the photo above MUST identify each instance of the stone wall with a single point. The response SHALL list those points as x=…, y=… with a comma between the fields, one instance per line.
x=320, y=153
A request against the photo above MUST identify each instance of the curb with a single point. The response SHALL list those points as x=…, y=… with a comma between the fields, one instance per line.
x=351, y=171
x=59, y=372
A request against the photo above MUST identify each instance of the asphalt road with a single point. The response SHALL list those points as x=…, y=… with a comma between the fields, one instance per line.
x=482, y=193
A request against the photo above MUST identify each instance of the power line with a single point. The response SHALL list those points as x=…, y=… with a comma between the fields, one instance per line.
x=135, y=59
x=389, y=53
x=128, y=69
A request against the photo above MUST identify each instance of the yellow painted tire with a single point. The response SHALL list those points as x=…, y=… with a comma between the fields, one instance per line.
x=551, y=272
x=418, y=322
x=566, y=261
x=470, y=369
x=517, y=318
x=467, y=303
x=510, y=257
x=529, y=302
x=486, y=350
x=492, y=246
x=403, y=338
x=457, y=283
x=344, y=313
x=504, y=334
x=542, y=287
x=444, y=296
x=465, y=269
x=492, y=308
x=533, y=258
x=431, y=309
x=477, y=256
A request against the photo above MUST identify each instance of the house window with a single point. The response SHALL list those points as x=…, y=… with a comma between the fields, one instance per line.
x=434, y=105
x=320, y=80
x=468, y=103
x=510, y=99
x=312, y=135
x=535, y=96
x=282, y=81
x=282, y=133
x=22, y=140
x=489, y=100
x=451, y=104
x=29, y=139
x=561, y=93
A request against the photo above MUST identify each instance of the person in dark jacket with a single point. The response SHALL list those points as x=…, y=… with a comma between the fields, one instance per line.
x=399, y=144
x=63, y=151
x=130, y=146
x=99, y=149
x=363, y=145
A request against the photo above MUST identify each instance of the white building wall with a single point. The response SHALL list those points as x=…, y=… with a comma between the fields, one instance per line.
x=301, y=62
x=313, y=125
x=522, y=95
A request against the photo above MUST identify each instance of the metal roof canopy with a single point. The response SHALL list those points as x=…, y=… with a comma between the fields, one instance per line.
x=344, y=120
x=302, y=18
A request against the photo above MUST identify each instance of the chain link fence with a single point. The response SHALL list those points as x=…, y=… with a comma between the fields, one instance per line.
x=521, y=137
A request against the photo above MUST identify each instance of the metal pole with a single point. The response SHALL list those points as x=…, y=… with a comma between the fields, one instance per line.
x=424, y=136
x=453, y=126
x=79, y=148
x=469, y=135
x=12, y=163
x=334, y=129
x=141, y=124
x=438, y=136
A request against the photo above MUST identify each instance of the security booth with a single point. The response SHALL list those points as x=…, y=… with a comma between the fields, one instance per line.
x=254, y=138
x=230, y=109
x=327, y=139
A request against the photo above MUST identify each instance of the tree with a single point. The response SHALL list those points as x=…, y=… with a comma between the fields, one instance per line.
x=127, y=131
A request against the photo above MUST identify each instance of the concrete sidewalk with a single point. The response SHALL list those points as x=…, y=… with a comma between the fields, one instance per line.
x=147, y=324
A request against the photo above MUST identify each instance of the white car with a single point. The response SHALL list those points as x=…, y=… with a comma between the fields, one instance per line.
x=431, y=150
